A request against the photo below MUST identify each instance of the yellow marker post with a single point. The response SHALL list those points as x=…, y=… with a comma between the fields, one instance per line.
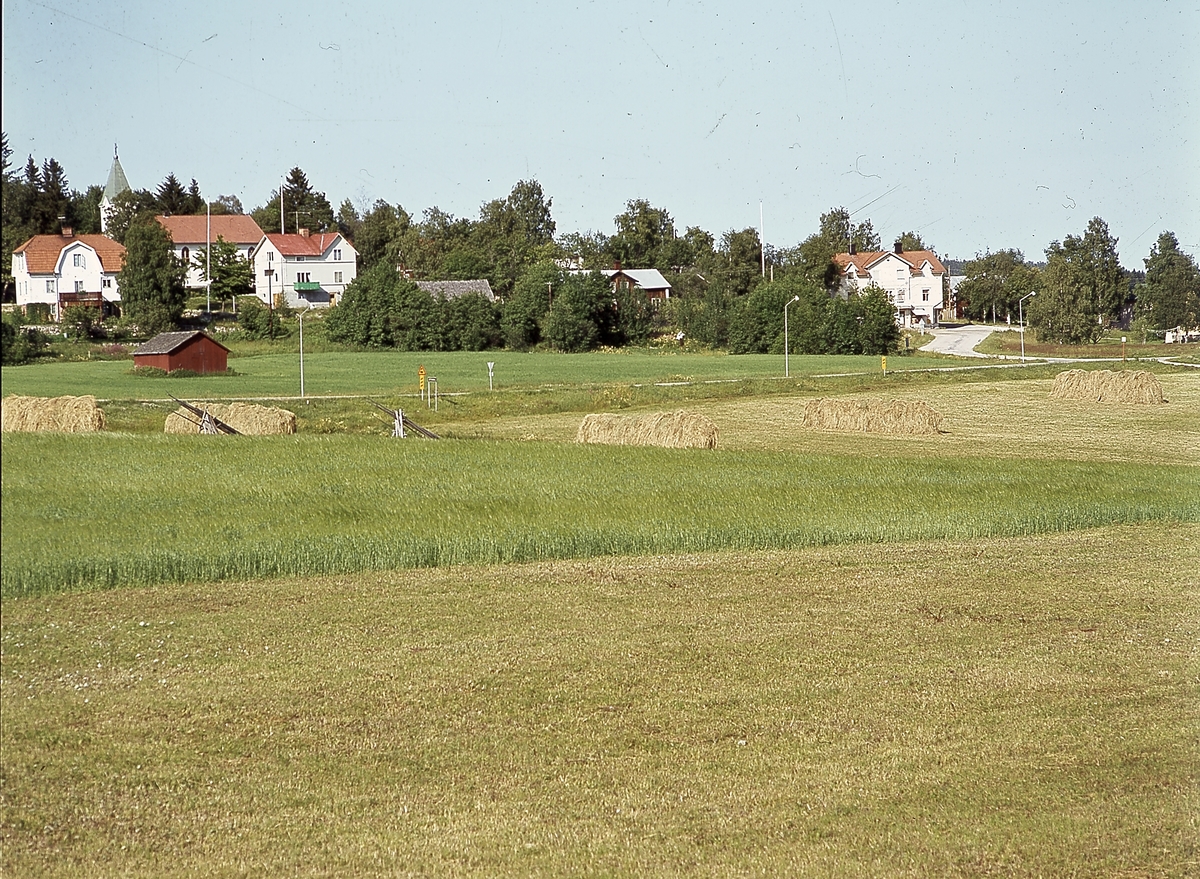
x=884, y=358
x=421, y=376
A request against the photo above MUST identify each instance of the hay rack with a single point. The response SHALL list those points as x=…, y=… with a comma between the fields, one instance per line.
x=401, y=423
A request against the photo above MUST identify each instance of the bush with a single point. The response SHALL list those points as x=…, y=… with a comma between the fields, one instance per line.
x=20, y=344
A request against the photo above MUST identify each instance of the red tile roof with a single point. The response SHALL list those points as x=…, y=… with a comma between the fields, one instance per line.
x=863, y=261
x=41, y=252
x=234, y=228
x=313, y=244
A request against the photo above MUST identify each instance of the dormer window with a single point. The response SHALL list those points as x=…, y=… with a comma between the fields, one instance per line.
x=80, y=261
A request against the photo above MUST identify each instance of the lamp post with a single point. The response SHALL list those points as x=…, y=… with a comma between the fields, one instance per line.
x=306, y=311
x=1021, y=320
x=787, y=372
x=208, y=257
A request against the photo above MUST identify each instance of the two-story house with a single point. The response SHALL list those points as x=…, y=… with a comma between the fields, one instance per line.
x=306, y=268
x=192, y=234
x=912, y=279
x=68, y=269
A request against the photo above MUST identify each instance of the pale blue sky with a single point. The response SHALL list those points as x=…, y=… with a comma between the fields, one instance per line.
x=982, y=126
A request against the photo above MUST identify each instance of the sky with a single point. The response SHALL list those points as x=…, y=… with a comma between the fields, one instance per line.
x=979, y=126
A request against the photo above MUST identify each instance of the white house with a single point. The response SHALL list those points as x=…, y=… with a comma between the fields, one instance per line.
x=191, y=235
x=311, y=267
x=67, y=269
x=912, y=280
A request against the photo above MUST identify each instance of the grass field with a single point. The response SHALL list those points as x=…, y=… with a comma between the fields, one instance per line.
x=811, y=654
x=1009, y=707
x=387, y=372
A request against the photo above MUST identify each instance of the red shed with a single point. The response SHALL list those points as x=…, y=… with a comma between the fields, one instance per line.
x=190, y=349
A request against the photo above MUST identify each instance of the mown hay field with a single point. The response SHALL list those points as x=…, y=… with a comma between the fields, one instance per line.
x=997, y=707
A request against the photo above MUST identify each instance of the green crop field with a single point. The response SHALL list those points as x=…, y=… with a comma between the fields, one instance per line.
x=388, y=372
x=804, y=653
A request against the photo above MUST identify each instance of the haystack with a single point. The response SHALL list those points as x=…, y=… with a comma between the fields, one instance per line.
x=898, y=417
x=245, y=418
x=671, y=430
x=1106, y=386
x=63, y=414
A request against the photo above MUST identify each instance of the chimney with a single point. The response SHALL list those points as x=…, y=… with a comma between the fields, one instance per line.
x=852, y=248
x=304, y=233
x=899, y=248
x=617, y=266
x=68, y=232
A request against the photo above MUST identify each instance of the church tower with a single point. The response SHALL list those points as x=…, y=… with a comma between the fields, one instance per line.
x=117, y=183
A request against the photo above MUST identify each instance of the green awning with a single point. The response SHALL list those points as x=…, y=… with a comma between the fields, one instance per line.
x=306, y=286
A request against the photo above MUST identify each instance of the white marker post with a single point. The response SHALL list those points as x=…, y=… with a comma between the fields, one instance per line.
x=491, y=368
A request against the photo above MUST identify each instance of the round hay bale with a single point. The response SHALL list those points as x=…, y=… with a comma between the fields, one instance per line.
x=898, y=418
x=1106, y=386
x=245, y=418
x=61, y=414
x=671, y=430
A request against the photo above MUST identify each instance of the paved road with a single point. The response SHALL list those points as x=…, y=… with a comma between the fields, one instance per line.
x=960, y=341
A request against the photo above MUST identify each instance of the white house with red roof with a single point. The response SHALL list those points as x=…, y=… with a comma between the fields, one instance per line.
x=67, y=269
x=309, y=267
x=191, y=235
x=912, y=280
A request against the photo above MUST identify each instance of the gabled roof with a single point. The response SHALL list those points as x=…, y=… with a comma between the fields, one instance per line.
x=863, y=262
x=454, y=289
x=116, y=180
x=193, y=230
x=41, y=252
x=647, y=279
x=313, y=244
x=169, y=343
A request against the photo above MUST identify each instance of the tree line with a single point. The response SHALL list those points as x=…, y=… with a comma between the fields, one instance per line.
x=726, y=293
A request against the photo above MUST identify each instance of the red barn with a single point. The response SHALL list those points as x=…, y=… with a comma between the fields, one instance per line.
x=190, y=349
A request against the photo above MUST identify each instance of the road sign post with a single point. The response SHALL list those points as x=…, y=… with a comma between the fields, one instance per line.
x=491, y=367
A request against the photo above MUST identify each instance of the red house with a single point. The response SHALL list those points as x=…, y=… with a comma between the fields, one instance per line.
x=190, y=349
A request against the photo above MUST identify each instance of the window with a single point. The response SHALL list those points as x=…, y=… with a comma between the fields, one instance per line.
x=899, y=274
x=49, y=286
x=337, y=255
x=184, y=254
x=337, y=277
x=270, y=256
x=303, y=277
x=924, y=295
x=80, y=262
x=299, y=259
x=899, y=295
x=107, y=282
x=79, y=286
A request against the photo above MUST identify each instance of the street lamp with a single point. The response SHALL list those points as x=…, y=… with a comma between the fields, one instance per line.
x=1021, y=320
x=786, y=369
x=306, y=311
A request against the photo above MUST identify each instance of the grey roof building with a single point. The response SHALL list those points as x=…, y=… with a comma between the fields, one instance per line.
x=454, y=289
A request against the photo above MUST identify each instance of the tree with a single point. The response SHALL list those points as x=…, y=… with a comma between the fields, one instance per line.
x=1170, y=295
x=876, y=316
x=382, y=310
x=580, y=313
x=912, y=241
x=86, y=208
x=379, y=233
x=170, y=197
x=525, y=310
x=644, y=234
x=151, y=281
x=813, y=257
x=1082, y=287
x=303, y=207
x=994, y=283
x=128, y=208
x=232, y=274
x=227, y=204
x=739, y=264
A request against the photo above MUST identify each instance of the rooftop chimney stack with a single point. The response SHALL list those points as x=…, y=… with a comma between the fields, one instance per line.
x=899, y=247
x=304, y=233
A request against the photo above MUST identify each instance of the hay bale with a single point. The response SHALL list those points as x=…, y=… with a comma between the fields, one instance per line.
x=1106, y=386
x=898, y=418
x=245, y=418
x=671, y=430
x=62, y=414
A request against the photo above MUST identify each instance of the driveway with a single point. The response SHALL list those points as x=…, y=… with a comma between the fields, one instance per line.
x=960, y=341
